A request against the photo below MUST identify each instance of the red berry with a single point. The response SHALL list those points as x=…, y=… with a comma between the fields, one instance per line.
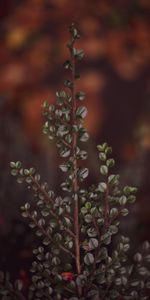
x=67, y=276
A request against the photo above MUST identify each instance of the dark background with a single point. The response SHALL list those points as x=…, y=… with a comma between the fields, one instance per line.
x=115, y=76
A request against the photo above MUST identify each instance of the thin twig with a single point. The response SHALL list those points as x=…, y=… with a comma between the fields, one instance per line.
x=75, y=183
x=48, y=199
x=75, y=186
x=66, y=144
x=50, y=237
x=106, y=208
x=96, y=227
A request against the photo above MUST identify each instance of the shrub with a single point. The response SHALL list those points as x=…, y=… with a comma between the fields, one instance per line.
x=77, y=259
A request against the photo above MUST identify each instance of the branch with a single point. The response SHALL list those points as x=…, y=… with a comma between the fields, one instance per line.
x=66, y=144
x=48, y=199
x=96, y=227
x=50, y=237
x=106, y=208
x=74, y=184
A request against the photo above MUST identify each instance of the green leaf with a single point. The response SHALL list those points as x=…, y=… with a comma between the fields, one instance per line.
x=126, y=247
x=20, y=179
x=56, y=261
x=32, y=225
x=110, y=162
x=118, y=281
x=81, y=280
x=124, y=212
x=60, y=211
x=67, y=65
x=89, y=259
x=45, y=104
x=102, y=187
x=41, y=222
x=58, y=113
x=102, y=147
x=51, y=108
x=14, y=172
x=12, y=164
x=68, y=83
x=29, y=180
x=88, y=205
x=123, y=200
x=83, y=173
x=67, y=222
x=65, y=167
x=91, y=232
x=106, y=238
x=94, y=211
x=146, y=246
x=37, y=177
x=45, y=130
x=131, y=198
x=93, y=243
x=78, y=53
x=25, y=214
x=81, y=112
x=66, y=186
x=128, y=190
x=84, y=136
x=27, y=206
x=84, y=210
x=138, y=257
x=46, y=241
x=61, y=97
x=108, y=150
x=113, y=179
x=134, y=283
x=68, y=138
x=70, y=244
x=82, y=154
x=80, y=96
x=45, y=212
x=88, y=218
x=68, y=267
x=65, y=152
x=104, y=170
x=18, y=164
x=142, y=271
x=113, y=229
x=100, y=221
x=93, y=294
x=102, y=156
x=26, y=172
x=62, y=130
x=46, y=125
x=74, y=32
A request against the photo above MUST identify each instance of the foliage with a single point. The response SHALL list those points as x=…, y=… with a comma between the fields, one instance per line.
x=79, y=257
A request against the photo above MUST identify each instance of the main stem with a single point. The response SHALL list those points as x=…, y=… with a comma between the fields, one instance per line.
x=75, y=183
x=106, y=208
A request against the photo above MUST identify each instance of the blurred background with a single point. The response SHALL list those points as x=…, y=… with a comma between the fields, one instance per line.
x=115, y=75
